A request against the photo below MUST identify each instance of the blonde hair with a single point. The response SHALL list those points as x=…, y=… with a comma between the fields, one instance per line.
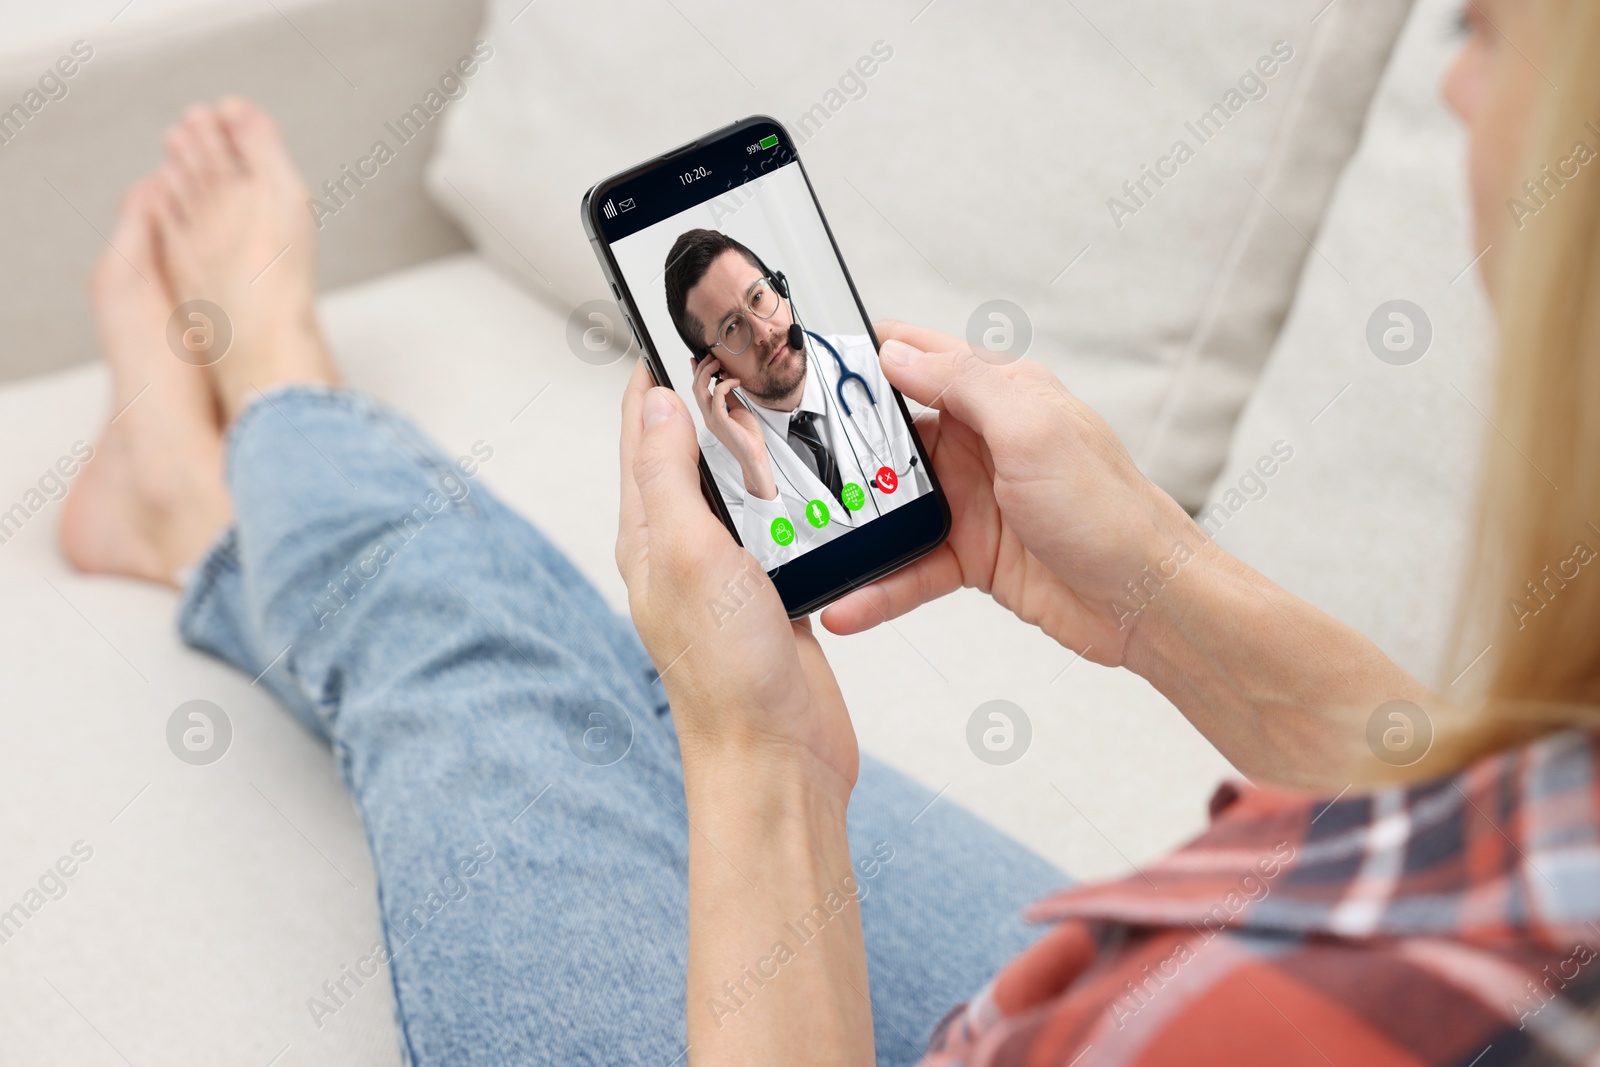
x=1534, y=586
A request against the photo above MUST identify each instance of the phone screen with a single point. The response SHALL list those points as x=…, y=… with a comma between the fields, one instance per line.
x=743, y=301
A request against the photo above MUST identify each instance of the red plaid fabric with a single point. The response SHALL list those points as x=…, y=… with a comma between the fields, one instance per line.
x=1456, y=922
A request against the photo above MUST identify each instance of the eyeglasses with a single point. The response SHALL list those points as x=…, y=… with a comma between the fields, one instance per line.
x=736, y=333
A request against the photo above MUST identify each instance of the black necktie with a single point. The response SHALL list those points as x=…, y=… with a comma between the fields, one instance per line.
x=804, y=432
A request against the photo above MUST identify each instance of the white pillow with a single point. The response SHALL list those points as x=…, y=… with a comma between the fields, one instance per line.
x=1370, y=516
x=967, y=153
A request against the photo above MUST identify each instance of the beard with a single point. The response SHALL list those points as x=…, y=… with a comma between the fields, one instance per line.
x=775, y=382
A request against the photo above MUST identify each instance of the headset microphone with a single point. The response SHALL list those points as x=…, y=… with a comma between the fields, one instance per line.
x=797, y=337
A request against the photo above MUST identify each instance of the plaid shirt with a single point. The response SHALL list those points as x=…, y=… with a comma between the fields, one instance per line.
x=1456, y=922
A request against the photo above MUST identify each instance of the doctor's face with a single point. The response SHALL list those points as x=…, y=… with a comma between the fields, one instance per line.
x=768, y=369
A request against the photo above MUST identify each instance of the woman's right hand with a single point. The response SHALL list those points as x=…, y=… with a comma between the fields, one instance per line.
x=735, y=425
x=1051, y=516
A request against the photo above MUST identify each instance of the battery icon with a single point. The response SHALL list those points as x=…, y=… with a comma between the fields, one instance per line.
x=769, y=141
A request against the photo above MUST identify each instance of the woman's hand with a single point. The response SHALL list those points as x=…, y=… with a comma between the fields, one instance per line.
x=769, y=759
x=1051, y=517
x=741, y=677
x=735, y=425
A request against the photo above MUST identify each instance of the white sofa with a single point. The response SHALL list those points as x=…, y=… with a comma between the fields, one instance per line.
x=978, y=163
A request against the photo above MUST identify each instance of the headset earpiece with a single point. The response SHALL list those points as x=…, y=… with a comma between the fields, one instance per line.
x=780, y=284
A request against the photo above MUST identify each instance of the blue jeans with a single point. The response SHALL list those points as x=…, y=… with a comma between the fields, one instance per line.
x=512, y=755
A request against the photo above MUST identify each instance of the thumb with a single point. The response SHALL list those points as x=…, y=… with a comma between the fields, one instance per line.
x=974, y=391
x=666, y=463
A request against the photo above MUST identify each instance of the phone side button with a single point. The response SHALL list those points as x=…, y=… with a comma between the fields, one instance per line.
x=632, y=327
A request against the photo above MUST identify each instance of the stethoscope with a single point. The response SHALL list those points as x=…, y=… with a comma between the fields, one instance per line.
x=846, y=376
x=797, y=335
x=848, y=523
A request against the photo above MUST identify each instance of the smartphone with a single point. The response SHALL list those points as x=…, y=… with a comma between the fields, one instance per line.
x=729, y=277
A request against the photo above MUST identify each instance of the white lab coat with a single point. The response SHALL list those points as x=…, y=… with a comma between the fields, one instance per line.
x=858, y=445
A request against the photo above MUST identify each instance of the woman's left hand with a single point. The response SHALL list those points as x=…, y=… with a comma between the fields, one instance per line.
x=745, y=683
x=769, y=758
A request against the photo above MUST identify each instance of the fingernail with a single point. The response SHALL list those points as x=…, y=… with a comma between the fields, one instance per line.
x=656, y=407
x=899, y=353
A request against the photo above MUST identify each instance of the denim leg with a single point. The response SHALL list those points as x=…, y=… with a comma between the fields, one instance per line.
x=944, y=915
x=511, y=754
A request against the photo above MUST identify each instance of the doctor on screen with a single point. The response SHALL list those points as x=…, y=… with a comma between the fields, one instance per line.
x=802, y=435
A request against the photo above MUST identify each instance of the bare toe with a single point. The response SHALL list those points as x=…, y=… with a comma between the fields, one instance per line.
x=252, y=252
x=130, y=247
x=166, y=207
x=183, y=189
x=216, y=151
x=185, y=149
x=128, y=291
x=259, y=141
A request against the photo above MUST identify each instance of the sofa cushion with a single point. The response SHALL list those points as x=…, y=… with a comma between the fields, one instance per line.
x=966, y=154
x=1370, y=518
x=333, y=72
x=219, y=898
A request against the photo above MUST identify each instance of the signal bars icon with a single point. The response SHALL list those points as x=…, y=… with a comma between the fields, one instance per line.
x=610, y=210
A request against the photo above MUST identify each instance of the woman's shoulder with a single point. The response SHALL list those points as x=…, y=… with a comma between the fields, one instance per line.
x=1476, y=895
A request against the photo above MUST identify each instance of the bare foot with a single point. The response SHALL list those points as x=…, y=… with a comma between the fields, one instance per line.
x=235, y=231
x=152, y=497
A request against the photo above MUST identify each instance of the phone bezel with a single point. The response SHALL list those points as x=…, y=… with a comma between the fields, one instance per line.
x=619, y=287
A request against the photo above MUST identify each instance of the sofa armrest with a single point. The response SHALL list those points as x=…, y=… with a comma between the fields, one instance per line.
x=334, y=72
